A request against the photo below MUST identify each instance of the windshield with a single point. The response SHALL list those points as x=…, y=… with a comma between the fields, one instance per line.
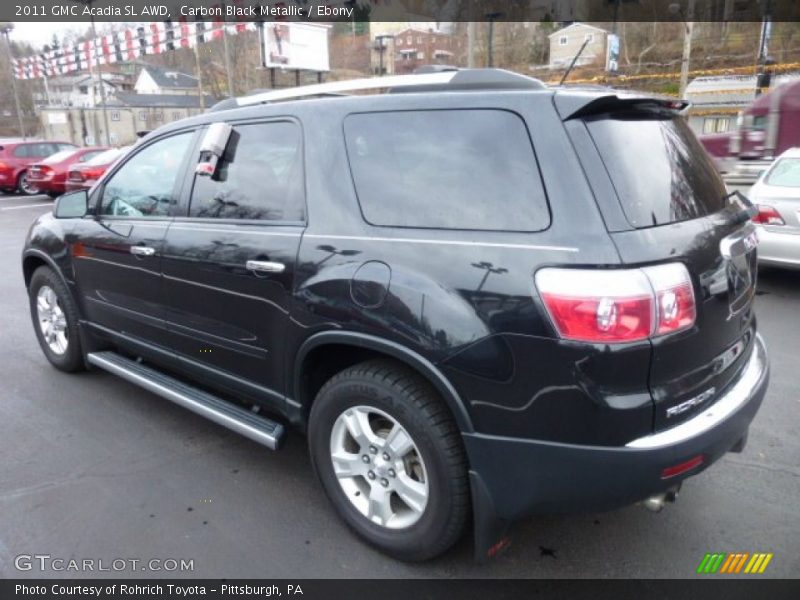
x=660, y=171
x=59, y=156
x=106, y=157
x=785, y=173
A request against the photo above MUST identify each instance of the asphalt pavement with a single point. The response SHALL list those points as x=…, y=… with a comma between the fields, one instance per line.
x=95, y=468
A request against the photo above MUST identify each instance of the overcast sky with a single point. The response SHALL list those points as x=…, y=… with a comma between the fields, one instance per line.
x=41, y=32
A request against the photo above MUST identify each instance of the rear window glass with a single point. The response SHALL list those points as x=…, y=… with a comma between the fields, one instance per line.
x=106, y=156
x=457, y=169
x=785, y=173
x=59, y=156
x=660, y=171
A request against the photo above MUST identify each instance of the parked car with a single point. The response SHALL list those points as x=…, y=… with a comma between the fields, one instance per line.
x=83, y=176
x=50, y=175
x=483, y=299
x=16, y=156
x=777, y=196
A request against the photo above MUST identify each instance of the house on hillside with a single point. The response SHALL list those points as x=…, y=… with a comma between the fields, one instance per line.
x=416, y=47
x=158, y=80
x=566, y=42
x=81, y=90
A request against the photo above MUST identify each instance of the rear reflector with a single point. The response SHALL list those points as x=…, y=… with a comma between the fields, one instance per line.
x=682, y=467
x=619, y=305
x=767, y=215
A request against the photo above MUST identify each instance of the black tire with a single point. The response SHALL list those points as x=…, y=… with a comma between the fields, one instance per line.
x=72, y=358
x=23, y=187
x=413, y=403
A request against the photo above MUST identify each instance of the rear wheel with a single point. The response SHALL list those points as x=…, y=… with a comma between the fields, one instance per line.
x=26, y=187
x=391, y=460
x=55, y=319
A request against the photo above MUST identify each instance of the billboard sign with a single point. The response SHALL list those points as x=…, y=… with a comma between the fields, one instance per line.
x=301, y=46
x=612, y=53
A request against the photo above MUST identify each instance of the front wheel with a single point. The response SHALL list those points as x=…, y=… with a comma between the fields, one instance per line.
x=391, y=460
x=55, y=320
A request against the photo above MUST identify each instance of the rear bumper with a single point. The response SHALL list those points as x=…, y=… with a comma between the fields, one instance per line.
x=514, y=478
x=778, y=249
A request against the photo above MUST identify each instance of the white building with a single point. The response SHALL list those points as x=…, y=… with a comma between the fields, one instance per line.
x=158, y=80
x=81, y=91
x=565, y=44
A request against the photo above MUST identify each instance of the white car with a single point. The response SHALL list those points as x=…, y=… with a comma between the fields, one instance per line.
x=777, y=196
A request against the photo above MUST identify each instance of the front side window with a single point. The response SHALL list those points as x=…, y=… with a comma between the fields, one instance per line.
x=449, y=169
x=145, y=185
x=260, y=176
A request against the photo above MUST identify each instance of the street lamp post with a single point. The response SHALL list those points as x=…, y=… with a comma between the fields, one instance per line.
x=94, y=59
x=7, y=28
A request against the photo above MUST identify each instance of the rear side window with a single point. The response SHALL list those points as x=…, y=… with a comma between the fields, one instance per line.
x=22, y=151
x=660, y=171
x=260, y=176
x=455, y=169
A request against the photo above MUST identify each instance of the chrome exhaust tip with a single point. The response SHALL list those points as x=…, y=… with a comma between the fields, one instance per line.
x=656, y=502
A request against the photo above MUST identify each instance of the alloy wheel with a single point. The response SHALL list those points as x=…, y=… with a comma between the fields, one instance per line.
x=52, y=320
x=379, y=467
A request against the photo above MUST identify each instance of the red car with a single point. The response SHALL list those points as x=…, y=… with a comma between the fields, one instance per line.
x=83, y=176
x=17, y=155
x=50, y=175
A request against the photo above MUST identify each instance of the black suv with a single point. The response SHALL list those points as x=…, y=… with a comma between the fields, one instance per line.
x=480, y=297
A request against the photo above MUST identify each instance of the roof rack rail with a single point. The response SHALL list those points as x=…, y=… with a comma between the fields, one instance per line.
x=456, y=80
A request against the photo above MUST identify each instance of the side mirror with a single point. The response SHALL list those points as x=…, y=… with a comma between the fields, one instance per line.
x=72, y=205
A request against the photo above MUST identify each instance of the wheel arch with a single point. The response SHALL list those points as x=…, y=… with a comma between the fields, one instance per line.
x=364, y=347
x=32, y=259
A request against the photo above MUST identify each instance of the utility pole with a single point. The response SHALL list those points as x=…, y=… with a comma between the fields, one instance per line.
x=379, y=40
x=227, y=59
x=491, y=17
x=471, y=44
x=688, y=24
x=199, y=72
x=7, y=28
x=94, y=59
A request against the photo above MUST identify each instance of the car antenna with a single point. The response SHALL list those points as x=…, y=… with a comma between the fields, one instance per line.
x=574, y=60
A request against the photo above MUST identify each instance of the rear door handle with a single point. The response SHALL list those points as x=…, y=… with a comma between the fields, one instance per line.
x=265, y=266
x=142, y=251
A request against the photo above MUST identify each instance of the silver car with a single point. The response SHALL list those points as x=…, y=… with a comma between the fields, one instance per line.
x=777, y=196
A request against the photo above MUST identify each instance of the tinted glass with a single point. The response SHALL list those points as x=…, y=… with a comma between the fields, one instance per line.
x=22, y=151
x=660, y=171
x=41, y=150
x=144, y=186
x=785, y=173
x=458, y=169
x=259, y=177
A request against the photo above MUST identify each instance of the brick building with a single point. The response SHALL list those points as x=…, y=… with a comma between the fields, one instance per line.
x=416, y=47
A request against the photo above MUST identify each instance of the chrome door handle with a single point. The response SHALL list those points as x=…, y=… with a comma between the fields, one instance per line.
x=142, y=251
x=265, y=266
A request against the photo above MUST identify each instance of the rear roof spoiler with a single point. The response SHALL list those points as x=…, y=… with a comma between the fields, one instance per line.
x=574, y=105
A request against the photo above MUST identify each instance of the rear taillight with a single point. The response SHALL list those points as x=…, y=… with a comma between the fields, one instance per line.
x=767, y=215
x=612, y=306
x=94, y=172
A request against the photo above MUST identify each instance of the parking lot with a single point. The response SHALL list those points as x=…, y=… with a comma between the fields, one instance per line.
x=95, y=468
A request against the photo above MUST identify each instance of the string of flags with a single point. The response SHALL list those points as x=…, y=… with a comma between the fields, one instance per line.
x=128, y=45
x=135, y=42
